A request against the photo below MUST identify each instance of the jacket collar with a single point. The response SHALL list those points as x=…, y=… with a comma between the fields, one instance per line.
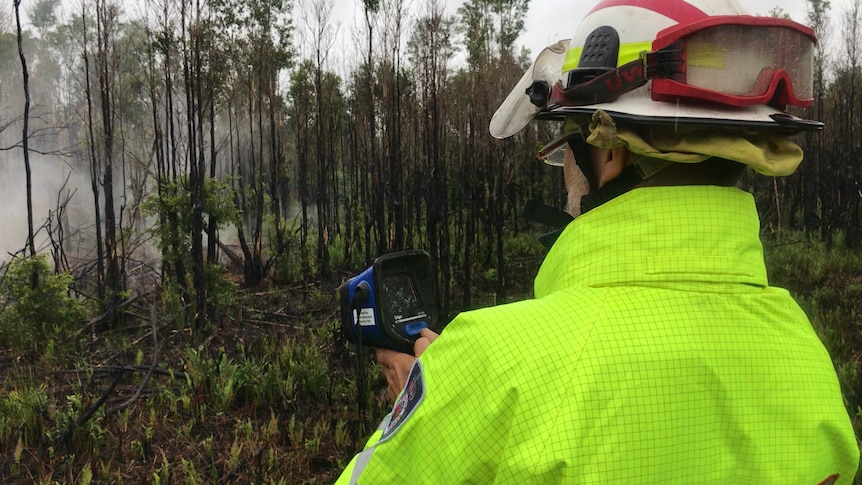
x=701, y=238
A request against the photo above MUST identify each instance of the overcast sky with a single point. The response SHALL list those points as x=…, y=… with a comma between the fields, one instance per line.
x=544, y=23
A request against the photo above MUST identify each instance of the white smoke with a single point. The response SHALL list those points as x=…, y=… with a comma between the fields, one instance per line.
x=53, y=182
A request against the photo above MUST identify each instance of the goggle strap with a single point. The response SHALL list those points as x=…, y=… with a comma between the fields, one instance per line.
x=545, y=214
x=549, y=238
x=602, y=88
x=665, y=63
x=551, y=216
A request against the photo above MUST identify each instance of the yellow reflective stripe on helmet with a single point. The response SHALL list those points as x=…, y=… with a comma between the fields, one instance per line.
x=628, y=53
x=573, y=57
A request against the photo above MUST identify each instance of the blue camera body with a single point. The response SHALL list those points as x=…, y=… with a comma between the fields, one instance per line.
x=390, y=302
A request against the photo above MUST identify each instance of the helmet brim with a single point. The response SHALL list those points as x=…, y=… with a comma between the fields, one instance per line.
x=517, y=111
x=641, y=110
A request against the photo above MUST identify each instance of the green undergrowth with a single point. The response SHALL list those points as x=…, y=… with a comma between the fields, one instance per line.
x=265, y=396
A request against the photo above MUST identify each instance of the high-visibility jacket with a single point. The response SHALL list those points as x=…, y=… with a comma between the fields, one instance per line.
x=654, y=352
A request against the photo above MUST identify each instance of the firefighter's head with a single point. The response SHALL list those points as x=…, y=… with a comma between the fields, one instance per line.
x=644, y=84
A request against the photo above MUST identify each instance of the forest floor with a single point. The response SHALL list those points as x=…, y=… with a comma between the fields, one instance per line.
x=264, y=396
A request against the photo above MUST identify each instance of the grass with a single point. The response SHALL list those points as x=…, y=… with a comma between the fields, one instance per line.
x=267, y=395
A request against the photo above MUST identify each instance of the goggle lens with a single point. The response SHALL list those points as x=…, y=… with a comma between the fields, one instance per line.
x=554, y=153
x=741, y=65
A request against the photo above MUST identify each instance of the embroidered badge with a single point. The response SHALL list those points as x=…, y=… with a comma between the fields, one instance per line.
x=408, y=401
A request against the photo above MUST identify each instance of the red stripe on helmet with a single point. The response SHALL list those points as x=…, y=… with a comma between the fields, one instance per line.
x=678, y=10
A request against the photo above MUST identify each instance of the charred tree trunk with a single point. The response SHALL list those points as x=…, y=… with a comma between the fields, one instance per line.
x=95, y=166
x=499, y=220
x=25, y=140
x=376, y=217
x=302, y=160
x=212, y=224
x=158, y=145
x=193, y=80
x=276, y=161
x=320, y=193
x=105, y=24
x=177, y=257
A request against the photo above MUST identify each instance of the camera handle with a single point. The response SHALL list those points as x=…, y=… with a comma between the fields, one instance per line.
x=360, y=296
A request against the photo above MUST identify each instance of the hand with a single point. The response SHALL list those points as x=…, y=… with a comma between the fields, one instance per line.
x=395, y=366
x=425, y=338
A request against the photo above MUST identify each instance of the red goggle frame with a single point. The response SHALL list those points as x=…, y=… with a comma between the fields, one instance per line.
x=730, y=60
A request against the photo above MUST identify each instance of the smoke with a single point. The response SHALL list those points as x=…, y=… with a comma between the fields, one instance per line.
x=53, y=182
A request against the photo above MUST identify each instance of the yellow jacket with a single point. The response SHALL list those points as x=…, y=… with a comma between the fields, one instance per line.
x=654, y=352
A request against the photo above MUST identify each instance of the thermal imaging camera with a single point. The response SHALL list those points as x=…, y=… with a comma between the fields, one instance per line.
x=389, y=303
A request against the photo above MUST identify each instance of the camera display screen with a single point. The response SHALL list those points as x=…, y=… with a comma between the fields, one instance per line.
x=403, y=300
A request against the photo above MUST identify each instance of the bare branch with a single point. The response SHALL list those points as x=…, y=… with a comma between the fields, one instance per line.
x=108, y=314
x=134, y=398
x=114, y=369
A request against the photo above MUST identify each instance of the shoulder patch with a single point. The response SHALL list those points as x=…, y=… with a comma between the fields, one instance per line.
x=408, y=401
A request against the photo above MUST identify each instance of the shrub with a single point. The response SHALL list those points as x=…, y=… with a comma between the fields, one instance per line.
x=41, y=317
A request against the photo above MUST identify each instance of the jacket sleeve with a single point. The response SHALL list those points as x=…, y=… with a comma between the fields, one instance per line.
x=407, y=402
x=450, y=422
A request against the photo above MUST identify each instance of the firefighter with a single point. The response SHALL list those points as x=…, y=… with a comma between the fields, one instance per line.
x=655, y=350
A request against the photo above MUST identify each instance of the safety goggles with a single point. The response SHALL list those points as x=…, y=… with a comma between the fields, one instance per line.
x=731, y=60
x=554, y=153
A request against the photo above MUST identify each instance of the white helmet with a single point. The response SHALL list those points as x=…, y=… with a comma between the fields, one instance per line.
x=679, y=62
